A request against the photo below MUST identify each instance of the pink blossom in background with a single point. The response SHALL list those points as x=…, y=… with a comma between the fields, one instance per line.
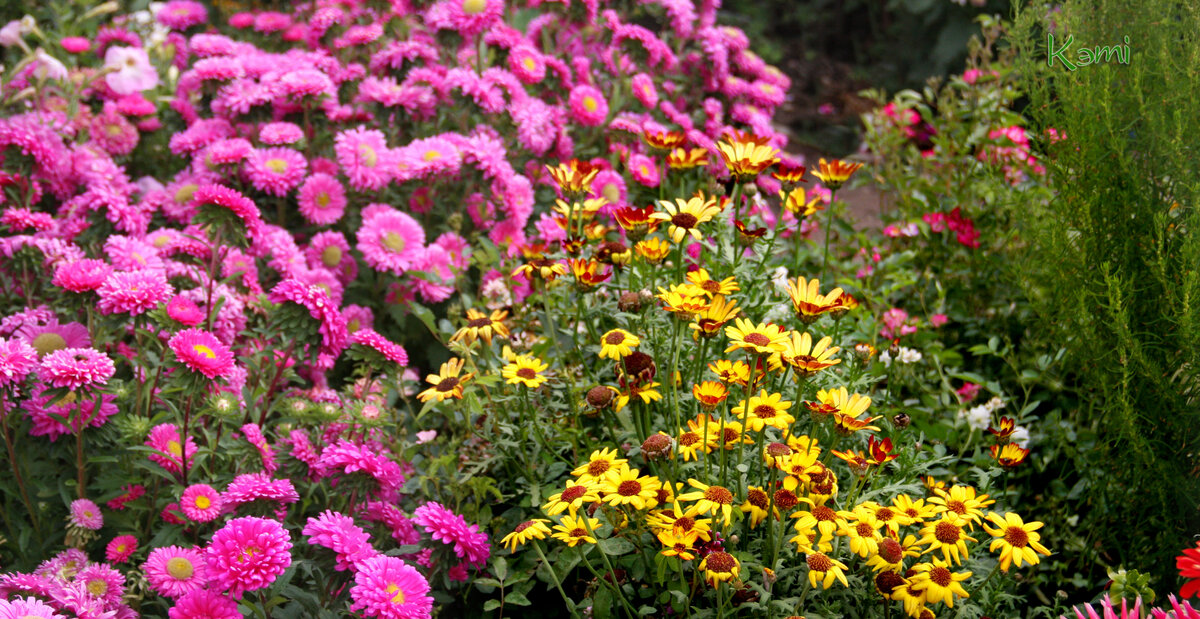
x=968, y=392
x=131, y=70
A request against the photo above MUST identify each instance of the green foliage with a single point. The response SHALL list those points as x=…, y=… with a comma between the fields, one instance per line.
x=1111, y=267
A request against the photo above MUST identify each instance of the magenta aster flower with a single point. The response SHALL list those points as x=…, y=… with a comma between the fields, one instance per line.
x=204, y=604
x=219, y=196
x=588, y=106
x=74, y=368
x=388, y=588
x=254, y=435
x=468, y=17
x=448, y=527
x=55, y=417
x=182, y=14
x=173, y=571
x=133, y=292
x=364, y=156
x=27, y=608
x=201, y=503
x=322, y=199
x=644, y=170
x=85, y=514
x=525, y=62
x=185, y=311
x=390, y=350
x=103, y=582
x=202, y=352
x=338, y=533
x=17, y=360
x=120, y=548
x=50, y=337
x=165, y=438
x=248, y=554
x=81, y=275
x=278, y=133
x=320, y=307
x=251, y=487
x=276, y=171
x=348, y=458
x=390, y=240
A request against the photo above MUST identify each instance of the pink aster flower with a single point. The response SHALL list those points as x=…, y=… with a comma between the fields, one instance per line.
x=644, y=170
x=526, y=63
x=364, y=156
x=50, y=337
x=201, y=503
x=120, y=548
x=468, y=18
x=643, y=89
x=588, y=106
x=132, y=493
x=81, y=275
x=182, y=14
x=85, y=514
x=29, y=607
x=348, y=458
x=338, y=533
x=202, y=352
x=74, y=368
x=130, y=70
x=276, y=171
x=389, y=239
x=133, y=292
x=254, y=435
x=449, y=528
x=102, y=582
x=55, y=417
x=164, y=438
x=322, y=199
x=388, y=588
x=320, y=307
x=251, y=487
x=204, y=604
x=173, y=571
x=17, y=360
x=112, y=132
x=390, y=350
x=276, y=133
x=213, y=195
x=75, y=45
x=185, y=311
x=248, y=554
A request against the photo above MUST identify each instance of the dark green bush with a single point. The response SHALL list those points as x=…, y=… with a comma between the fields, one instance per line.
x=1112, y=264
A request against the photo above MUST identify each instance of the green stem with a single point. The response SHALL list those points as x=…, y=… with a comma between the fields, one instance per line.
x=537, y=545
x=828, y=229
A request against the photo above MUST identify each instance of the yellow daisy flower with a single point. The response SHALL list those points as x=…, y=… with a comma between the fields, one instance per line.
x=947, y=535
x=797, y=203
x=525, y=370
x=710, y=394
x=835, y=173
x=937, y=583
x=710, y=286
x=617, y=344
x=862, y=529
x=684, y=301
x=653, y=249
x=1017, y=540
x=482, y=326
x=962, y=501
x=709, y=322
x=530, y=529
x=717, y=500
x=731, y=372
x=544, y=268
x=761, y=339
x=825, y=519
x=764, y=410
x=630, y=489
x=602, y=465
x=719, y=566
x=574, y=496
x=808, y=301
x=687, y=158
x=891, y=554
x=684, y=217
x=756, y=504
x=574, y=176
x=806, y=359
x=572, y=530
x=747, y=155
x=677, y=544
x=447, y=383
x=916, y=510
x=824, y=569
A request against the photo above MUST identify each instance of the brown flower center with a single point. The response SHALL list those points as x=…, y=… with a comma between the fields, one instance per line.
x=887, y=582
x=480, y=323
x=447, y=384
x=720, y=562
x=1016, y=537
x=524, y=525
x=941, y=576
x=884, y=514
x=764, y=411
x=614, y=339
x=824, y=514
x=757, y=339
x=685, y=523
x=785, y=499
x=946, y=533
x=758, y=498
x=577, y=532
x=526, y=373
x=685, y=220
x=712, y=286
x=718, y=494
x=778, y=450
x=689, y=438
x=571, y=494
x=864, y=530
x=598, y=468
x=630, y=487
x=957, y=507
x=819, y=562
x=890, y=550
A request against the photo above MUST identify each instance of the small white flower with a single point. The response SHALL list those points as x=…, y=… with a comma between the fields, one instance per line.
x=994, y=404
x=1020, y=436
x=780, y=278
x=909, y=355
x=886, y=358
x=979, y=417
x=49, y=67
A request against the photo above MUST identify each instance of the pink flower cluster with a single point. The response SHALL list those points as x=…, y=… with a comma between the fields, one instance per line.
x=954, y=221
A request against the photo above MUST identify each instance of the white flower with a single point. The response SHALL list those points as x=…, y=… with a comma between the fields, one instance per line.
x=994, y=404
x=497, y=294
x=425, y=436
x=49, y=67
x=130, y=70
x=979, y=417
x=1020, y=436
x=779, y=313
x=909, y=355
x=886, y=358
x=780, y=278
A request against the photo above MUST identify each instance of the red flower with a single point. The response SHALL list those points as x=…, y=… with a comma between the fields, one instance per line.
x=1188, y=564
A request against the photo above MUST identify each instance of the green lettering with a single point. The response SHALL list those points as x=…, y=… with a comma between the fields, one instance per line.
x=1107, y=52
x=1059, y=53
x=1084, y=57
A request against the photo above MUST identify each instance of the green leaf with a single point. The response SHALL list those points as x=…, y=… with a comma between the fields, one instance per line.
x=602, y=603
x=516, y=599
x=500, y=567
x=615, y=546
x=491, y=605
x=486, y=582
